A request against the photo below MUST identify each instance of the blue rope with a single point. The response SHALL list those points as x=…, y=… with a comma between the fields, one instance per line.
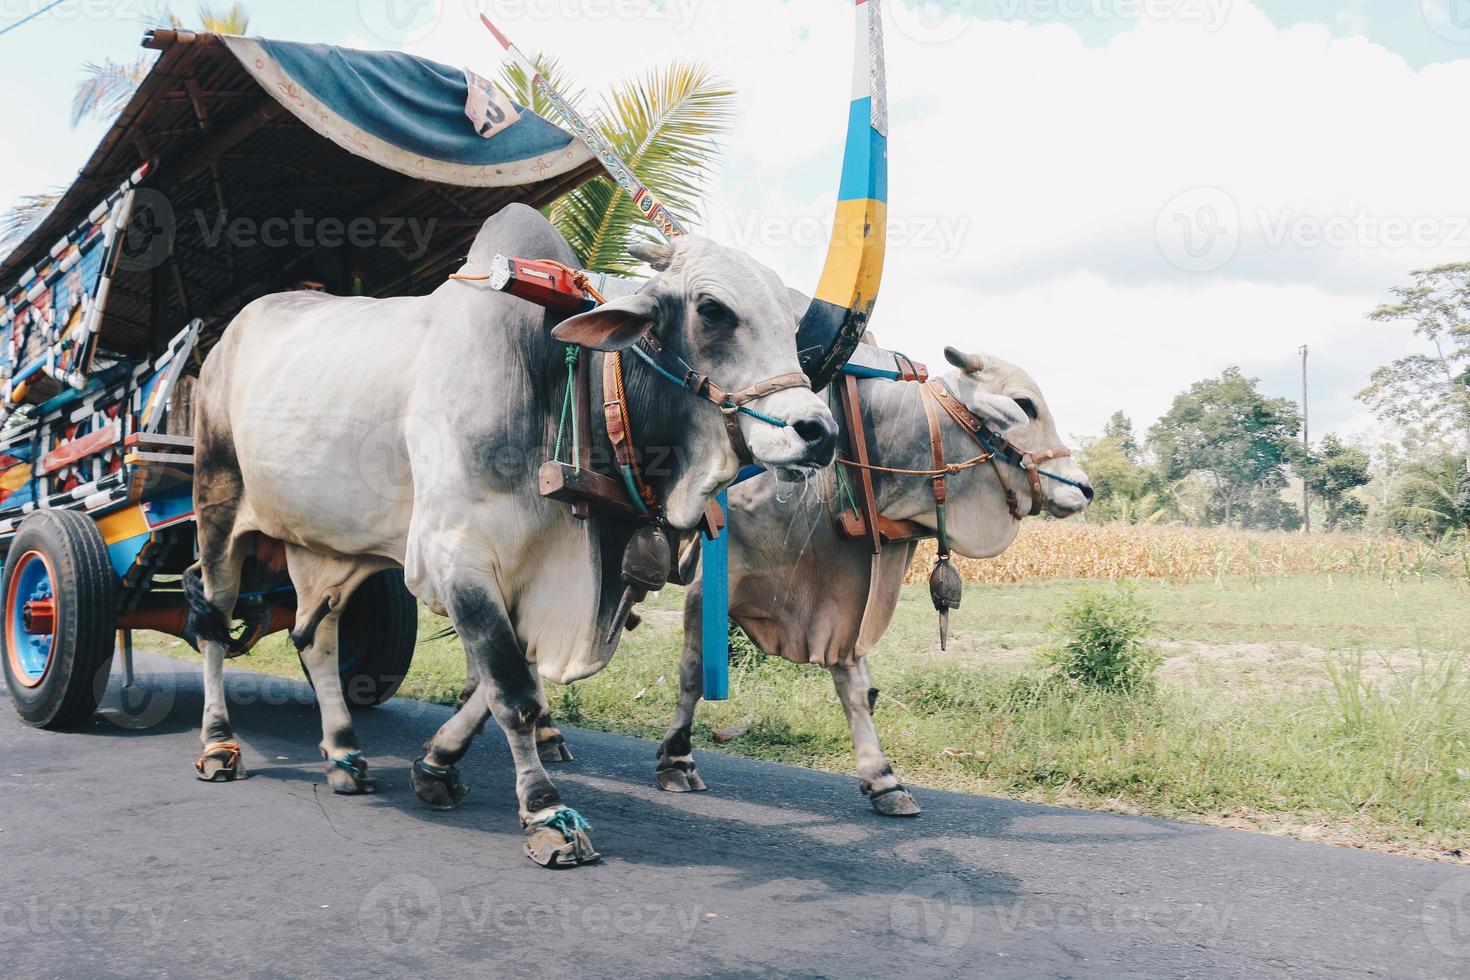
x=682, y=383
x=353, y=762
x=568, y=821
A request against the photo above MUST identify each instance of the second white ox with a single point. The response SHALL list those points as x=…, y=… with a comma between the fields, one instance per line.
x=804, y=591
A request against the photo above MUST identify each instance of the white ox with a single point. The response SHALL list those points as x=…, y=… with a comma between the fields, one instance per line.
x=803, y=591
x=463, y=387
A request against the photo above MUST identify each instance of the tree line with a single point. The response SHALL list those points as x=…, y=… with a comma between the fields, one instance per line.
x=1227, y=454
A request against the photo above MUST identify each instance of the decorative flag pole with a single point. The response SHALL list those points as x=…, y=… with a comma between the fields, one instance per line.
x=834, y=322
x=644, y=199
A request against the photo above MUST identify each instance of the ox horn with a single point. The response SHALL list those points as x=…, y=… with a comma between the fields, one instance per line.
x=970, y=363
x=657, y=255
x=839, y=312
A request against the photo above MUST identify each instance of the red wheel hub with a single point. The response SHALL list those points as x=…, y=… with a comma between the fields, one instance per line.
x=39, y=616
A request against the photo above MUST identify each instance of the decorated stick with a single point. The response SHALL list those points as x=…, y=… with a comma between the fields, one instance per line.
x=845, y=296
x=644, y=199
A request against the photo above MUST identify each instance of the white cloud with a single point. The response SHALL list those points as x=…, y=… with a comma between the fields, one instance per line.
x=1029, y=171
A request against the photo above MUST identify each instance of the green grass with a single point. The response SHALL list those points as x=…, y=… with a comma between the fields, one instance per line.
x=1332, y=708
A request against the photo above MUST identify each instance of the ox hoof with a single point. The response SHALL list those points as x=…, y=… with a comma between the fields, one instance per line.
x=560, y=842
x=893, y=802
x=679, y=777
x=439, y=788
x=220, y=763
x=554, y=750
x=348, y=775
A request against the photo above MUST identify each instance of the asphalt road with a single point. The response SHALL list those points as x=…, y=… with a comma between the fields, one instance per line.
x=115, y=861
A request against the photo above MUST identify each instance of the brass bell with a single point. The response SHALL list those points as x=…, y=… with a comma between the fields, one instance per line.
x=945, y=589
x=646, y=559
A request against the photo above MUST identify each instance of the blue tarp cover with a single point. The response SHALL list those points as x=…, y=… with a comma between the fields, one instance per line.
x=405, y=112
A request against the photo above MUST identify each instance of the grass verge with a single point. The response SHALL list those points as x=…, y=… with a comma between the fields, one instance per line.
x=1330, y=708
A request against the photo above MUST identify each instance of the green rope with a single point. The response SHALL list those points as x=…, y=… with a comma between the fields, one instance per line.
x=567, y=411
x=568, y=821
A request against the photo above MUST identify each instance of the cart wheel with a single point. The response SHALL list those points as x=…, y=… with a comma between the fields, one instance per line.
x=376, y=639
x=59, y=617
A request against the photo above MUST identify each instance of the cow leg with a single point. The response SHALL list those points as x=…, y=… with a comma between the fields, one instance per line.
x=875, y=777
x=551, y=745
x=675, y=771
x=556, y=835
x=324, y=584
x=211, y=588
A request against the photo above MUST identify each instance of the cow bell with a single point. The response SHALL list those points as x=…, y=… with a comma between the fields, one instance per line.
x=647, y=558
x=945, y=589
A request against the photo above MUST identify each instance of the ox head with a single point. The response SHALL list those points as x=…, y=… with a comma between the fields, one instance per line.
x=1010, y=402
x=728, y=317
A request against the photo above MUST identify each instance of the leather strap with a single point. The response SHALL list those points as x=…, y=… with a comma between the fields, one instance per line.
x=619, y=425
x=857, y=436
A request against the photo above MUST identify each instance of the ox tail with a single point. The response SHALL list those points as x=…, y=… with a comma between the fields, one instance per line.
x=205, y=621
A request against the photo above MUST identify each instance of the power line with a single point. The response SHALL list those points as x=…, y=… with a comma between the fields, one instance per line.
x=30, y=17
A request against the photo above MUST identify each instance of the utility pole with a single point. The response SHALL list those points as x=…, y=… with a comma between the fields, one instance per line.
x=1307, y=445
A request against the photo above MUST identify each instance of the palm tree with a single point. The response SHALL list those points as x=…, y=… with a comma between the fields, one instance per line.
x=109, y=85
x=666, y=126
x=103, y=94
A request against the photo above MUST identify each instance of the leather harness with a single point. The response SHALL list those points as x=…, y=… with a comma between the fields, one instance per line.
x=864, y=521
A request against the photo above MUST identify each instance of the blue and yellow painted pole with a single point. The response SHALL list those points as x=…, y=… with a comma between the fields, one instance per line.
x=845, y=296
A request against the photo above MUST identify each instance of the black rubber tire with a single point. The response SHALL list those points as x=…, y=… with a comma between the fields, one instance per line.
x=83, y=587
x=375, y=639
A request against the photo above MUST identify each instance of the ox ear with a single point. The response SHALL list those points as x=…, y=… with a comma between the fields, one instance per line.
x=612, y=326
x=968, y=363
x=658, y=256
x=999, y=410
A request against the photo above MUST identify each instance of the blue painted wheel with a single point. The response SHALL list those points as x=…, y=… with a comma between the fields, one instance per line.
x=30, y=619
x=58, y=620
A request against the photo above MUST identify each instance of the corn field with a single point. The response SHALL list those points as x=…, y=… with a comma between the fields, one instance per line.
x=1071, y=549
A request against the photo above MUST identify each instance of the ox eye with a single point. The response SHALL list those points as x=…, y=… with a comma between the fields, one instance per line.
x=716, y=314
x=1028, y=406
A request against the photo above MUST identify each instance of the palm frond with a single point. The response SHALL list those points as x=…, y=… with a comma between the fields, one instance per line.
x=234, y=19
x=107, y=88
x=26, y=214
x=517, y=84
x=667, y=127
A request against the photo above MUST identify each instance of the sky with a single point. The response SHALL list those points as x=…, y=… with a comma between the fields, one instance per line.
x=1121, y=196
